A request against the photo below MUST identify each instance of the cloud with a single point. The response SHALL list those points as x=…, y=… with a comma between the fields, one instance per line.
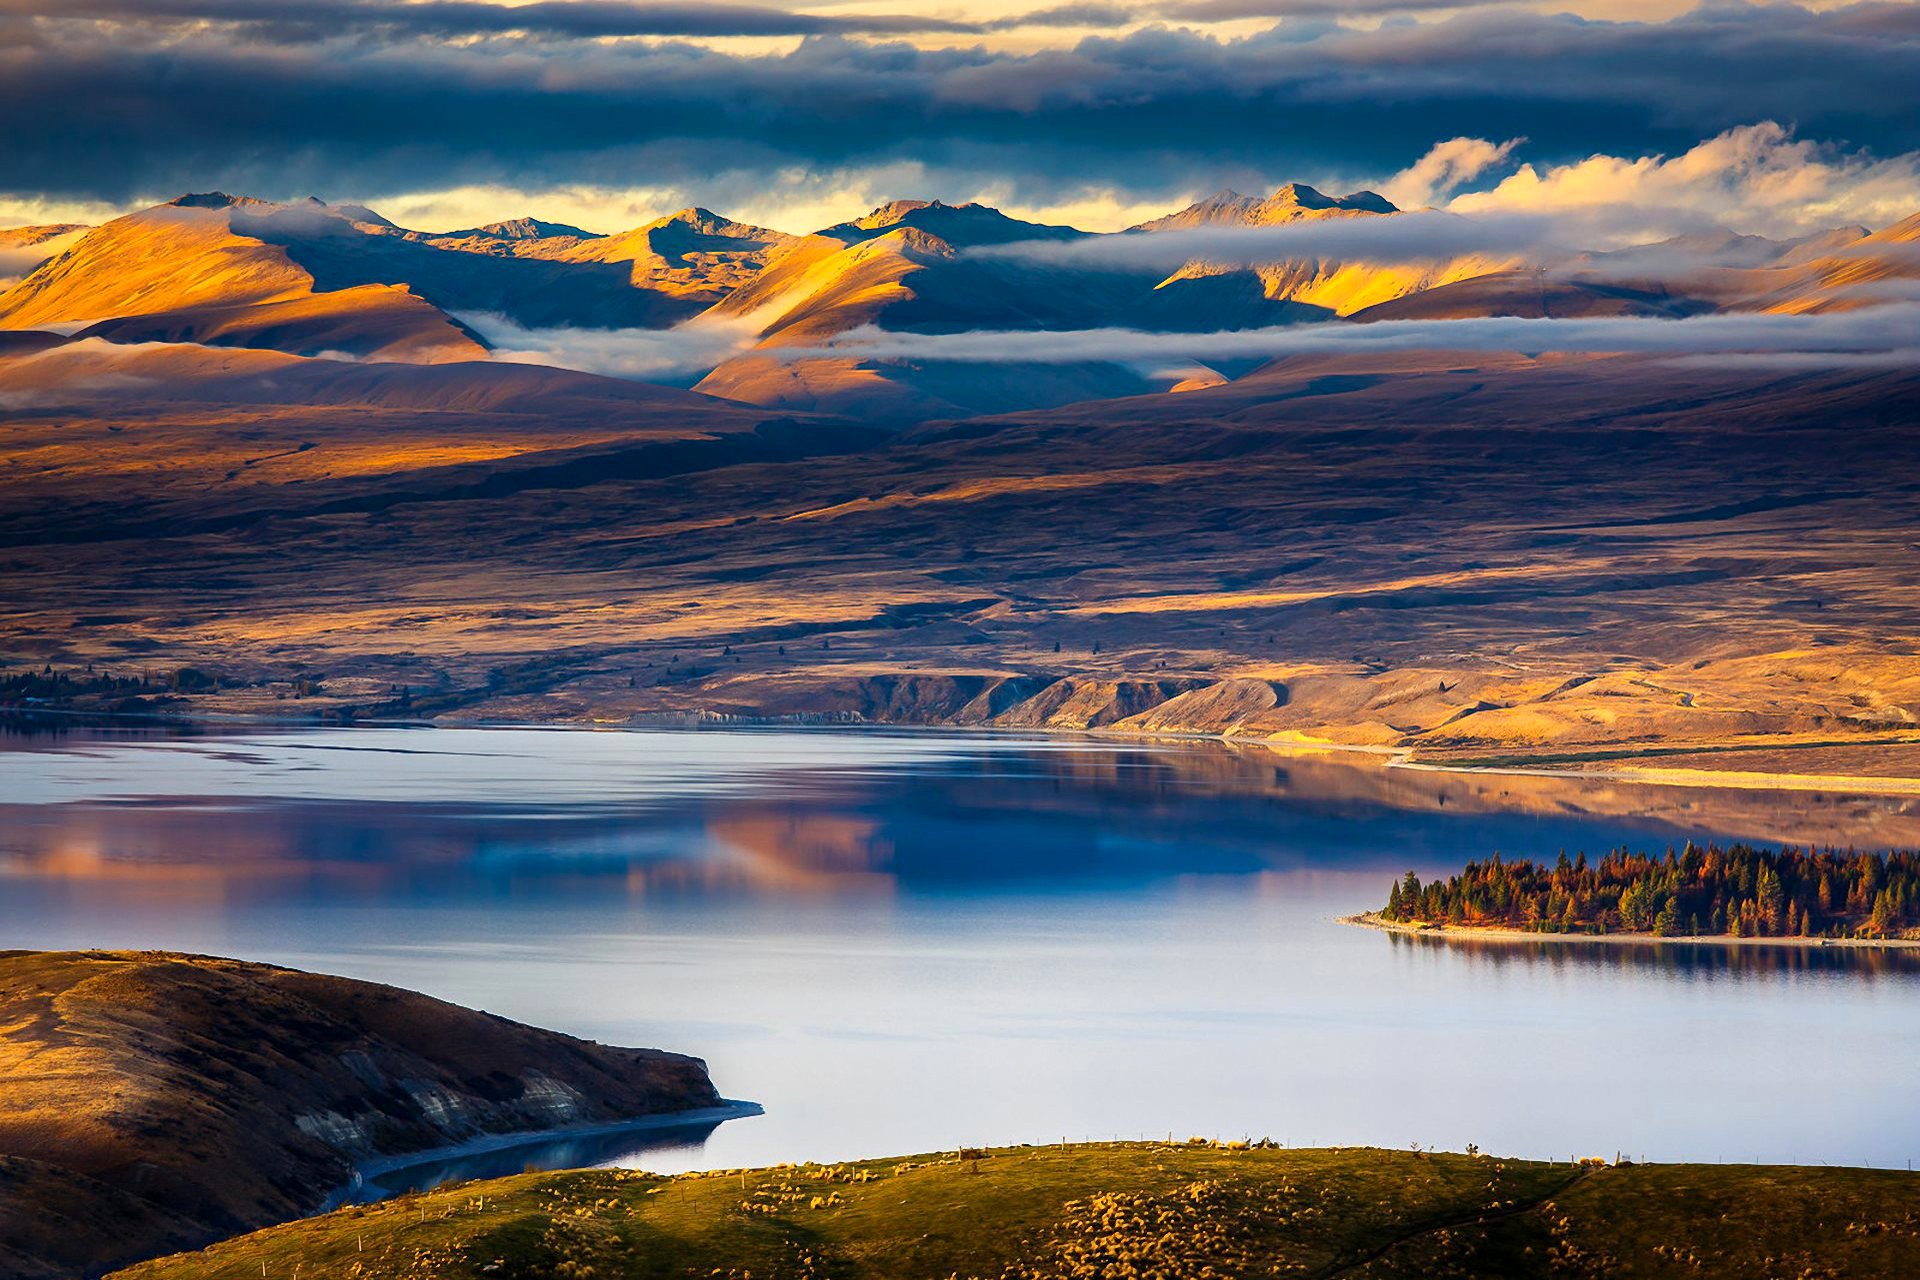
x=16, y=263
x=679, y=354
x=1423, y=236
x=1872, y=331
x=1446, y=167
x=1156, y=113
x=302, y=20
x=1232, y=10
x=1407, y=237
x=1756, y=177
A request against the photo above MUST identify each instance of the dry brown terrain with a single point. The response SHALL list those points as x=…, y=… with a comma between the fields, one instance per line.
x=1484, y=560
x=1469, y=559
x=155, y=1102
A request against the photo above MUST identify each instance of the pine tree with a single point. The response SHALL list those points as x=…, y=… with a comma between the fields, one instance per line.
x=1770, y=899
x=1882, y=920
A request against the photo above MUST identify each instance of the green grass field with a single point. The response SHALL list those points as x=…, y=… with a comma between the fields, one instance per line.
x=1103, y=1210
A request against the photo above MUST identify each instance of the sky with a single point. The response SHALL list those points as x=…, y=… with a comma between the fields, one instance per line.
x=1774, y=118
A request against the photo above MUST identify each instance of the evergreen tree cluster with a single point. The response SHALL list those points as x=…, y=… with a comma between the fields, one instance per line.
x=1739, y=891
x=44, y=685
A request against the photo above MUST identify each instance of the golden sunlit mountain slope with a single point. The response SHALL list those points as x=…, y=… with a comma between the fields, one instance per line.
x=1447, y=554
x=1293, y=202
x=888, y=270
x=1314, y=286
x=317, y=279
x=1534, y=293
x=967, y=225
x=530, y=280
x=1873, y=268
x=1839, y=269
x=912, y=265
x=497, y=237
x=1345, y=288
x=693, y=254
x=185, y=272
x=313, y=278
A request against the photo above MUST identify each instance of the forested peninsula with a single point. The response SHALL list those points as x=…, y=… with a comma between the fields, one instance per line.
x=1710, y=891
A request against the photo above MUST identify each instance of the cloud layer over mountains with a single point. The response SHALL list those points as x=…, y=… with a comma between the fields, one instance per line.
x=283, y=98
x=1888, y=335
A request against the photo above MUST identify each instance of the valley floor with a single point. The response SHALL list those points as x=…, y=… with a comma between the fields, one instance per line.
x=1594, y=564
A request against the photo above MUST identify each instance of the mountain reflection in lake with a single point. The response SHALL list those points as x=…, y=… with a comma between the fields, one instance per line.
x=903, y=942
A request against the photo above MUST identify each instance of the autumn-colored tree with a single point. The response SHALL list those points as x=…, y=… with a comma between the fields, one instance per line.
x=1739, y=890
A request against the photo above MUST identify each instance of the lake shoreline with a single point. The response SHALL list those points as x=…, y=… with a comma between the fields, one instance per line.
x=1501, y=933
x=365, y=1171
x=1388, y=757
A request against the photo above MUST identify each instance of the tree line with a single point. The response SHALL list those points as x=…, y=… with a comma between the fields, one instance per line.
x=1738, y=891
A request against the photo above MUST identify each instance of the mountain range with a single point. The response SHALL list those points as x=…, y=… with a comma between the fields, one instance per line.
x=316, y=279
x=329, y=463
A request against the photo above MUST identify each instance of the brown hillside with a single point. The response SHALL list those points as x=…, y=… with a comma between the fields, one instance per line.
x=155, y=1099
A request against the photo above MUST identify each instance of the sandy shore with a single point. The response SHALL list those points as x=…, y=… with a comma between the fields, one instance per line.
x=1629, y=769
x=1490, y=933
x=1653, y=775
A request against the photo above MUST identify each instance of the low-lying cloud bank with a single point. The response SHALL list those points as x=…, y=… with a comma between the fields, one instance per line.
x=681, y=354
x=1403, y=238
x=1888, y=333
x=1891, y=331
x=1757, y=179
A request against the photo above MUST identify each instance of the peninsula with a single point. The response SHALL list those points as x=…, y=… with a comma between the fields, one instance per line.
x=156, y=1102
x=1699, y=893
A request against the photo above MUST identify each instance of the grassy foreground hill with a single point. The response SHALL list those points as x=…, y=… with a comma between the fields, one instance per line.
x=154, y=1102
x=1113, y=1210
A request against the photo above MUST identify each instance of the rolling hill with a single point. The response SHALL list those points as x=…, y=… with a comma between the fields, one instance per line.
x=1196, y=1208
x=192, y=271
x=1456, y=556
x=159, y=1101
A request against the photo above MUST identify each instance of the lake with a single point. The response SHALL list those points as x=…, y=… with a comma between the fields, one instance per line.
x=901, y=942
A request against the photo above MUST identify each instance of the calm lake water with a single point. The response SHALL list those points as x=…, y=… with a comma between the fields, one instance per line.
x=906, y=942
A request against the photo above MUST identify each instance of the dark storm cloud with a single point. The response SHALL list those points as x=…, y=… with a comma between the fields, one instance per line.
x=296, y=20
x=119, y=110
x=1229, y=10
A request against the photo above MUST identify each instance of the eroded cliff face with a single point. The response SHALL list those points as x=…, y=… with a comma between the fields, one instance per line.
x=1550, y=709
x=158, y=1101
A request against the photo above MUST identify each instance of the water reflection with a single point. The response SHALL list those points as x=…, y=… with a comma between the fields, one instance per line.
x=902, y=942
x=628, y=1147
x=380, y=814
x=1679, y=960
